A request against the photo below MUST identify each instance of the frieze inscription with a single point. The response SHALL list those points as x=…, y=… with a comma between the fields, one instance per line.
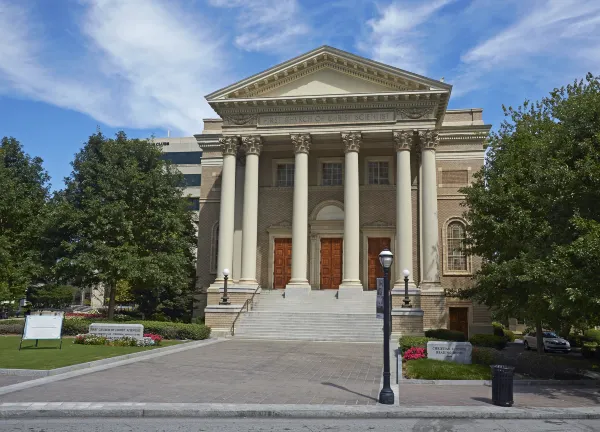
x=352, y=117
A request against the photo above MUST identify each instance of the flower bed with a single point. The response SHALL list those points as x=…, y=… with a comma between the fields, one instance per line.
x=415, y=353
x=150, y=339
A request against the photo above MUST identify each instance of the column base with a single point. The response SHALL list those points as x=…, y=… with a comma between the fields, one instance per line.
x=297, y=289
x=350, y=289
x=407, y=322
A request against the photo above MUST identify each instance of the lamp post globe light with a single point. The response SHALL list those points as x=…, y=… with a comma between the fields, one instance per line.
x=406, y=274
x=225, y=299
x=386, y=396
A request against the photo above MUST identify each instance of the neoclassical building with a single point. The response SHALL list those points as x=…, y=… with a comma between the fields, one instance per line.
x=316, y=165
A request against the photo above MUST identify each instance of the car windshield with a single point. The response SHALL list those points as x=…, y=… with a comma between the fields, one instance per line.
x=550, y=335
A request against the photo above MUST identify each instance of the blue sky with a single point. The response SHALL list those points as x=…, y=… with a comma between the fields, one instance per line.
x=144, y=66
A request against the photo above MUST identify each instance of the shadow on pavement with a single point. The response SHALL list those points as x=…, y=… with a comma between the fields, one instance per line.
x=348, y=390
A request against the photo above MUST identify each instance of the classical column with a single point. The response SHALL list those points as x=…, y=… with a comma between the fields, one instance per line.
x=351, y=285
x=431, y=275
x=252, y=145
x=404, y=234
x=298, y=284
x=229, y=147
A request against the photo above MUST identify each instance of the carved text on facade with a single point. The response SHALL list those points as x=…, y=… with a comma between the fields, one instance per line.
x=326, y=118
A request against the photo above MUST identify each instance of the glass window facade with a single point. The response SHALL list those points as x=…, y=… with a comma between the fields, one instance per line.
x=457, y=259
x=285, y=175
x=332, y=174
x=183, y=158
x=194, y=203
x=192, y=179
x=379, y=173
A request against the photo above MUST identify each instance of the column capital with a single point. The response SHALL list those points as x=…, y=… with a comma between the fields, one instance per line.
x=301, y=142
x=352, y=141
x=429, y=139
x=403, y=139
x=229, y=145
x=252, y=144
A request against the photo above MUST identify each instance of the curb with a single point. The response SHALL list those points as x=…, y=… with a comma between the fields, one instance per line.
x=154, y=410
x=100, y=365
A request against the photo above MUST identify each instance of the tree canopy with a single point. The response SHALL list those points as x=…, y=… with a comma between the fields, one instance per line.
x=24, y=191
x=122, y=218
x=534, y=211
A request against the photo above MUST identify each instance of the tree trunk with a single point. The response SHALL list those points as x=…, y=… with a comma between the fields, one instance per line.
x=112, y=301
x=539, y=336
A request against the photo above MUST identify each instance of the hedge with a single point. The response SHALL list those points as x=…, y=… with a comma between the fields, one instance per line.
x=444, y=334
x=592, y=336
x=168, y=330
x=500, y=330
x=407, y=342
x=589, y=349
x=490, y=341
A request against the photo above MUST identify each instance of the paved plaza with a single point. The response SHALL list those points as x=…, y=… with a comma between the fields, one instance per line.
x=275, y=372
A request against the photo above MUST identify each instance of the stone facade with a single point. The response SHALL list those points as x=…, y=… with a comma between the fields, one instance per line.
x=370, y=120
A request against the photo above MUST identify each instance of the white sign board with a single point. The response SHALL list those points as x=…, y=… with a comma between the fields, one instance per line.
x=117, y=331
x=43, y=327
x=457, y=352
x=380, y=282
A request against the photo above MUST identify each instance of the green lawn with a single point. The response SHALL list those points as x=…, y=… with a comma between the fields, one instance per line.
x=48, y=356
x=429, y=369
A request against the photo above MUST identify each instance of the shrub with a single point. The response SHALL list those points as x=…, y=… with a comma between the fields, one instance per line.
x=7, y=329
x=588, y=350
x=443, y=370
x=484, y=356
x=541, y=366
x=73, y=327
x=491, y=341
x=498, y=328
x=12, y=321
x=509, y=335
x=407, y=342
x=414, y=353
x=444, y=334
x=125, y=341
x=592, y=336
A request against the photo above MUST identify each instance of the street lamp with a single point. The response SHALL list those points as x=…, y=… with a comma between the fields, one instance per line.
x=225, y=299
x=406, y=304
x=386, y=396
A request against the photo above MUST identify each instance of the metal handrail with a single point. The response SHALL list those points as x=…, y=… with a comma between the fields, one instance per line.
x=245, y=305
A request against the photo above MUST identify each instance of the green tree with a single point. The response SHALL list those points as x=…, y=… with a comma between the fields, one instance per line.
x=122, y=217
x=51, y=296
x=23, y=197
x=534, y=211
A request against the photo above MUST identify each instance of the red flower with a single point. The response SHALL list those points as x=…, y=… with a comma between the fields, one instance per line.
x=414, y=353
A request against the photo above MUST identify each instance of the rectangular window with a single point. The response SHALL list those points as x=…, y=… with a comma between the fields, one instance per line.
x=191, y=180
x=194, y=203
x=332, y=174
x=379, y=173
x=183, y=158
x=285, y=175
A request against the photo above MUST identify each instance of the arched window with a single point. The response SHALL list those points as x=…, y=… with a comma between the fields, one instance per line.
x=455, y=244
x=214, y=248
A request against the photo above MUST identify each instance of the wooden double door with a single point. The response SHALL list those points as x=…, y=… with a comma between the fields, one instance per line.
x=282, y=262
x=459, y=319
x=376, y=245
x=331, y=263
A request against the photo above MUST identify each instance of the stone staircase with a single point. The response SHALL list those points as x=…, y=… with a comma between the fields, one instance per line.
x=317, y=317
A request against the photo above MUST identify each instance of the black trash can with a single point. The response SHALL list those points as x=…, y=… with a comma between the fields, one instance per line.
x=502, y=385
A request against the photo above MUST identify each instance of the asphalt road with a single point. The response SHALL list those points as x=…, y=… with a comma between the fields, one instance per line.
x=276, y=425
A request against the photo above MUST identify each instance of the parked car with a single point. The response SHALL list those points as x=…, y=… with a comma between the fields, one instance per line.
x=552, y=342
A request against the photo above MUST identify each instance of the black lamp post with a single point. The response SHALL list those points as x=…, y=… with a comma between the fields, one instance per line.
x=225, y=298
x=386, y=396
x=406, y=304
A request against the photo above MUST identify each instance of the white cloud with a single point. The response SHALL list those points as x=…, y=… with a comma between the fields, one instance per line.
x=397, y=35
x=148, y=64
x=553, y=40
x=266, y=25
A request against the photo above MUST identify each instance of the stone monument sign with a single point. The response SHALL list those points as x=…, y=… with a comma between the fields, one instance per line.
x=117, y=331
x=457, y=352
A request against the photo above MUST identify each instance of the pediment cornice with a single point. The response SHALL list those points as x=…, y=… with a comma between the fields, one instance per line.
x=327, y=57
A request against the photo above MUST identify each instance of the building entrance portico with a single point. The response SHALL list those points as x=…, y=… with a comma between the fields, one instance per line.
x=340, y=159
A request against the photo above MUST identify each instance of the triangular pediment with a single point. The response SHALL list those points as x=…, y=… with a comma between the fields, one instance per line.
x=327, y=71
